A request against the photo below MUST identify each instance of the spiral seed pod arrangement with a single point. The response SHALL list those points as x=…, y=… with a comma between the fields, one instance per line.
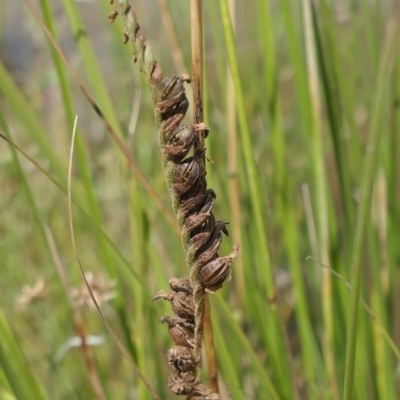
x=193, y=203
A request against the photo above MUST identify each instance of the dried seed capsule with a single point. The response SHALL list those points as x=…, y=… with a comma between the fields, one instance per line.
x=214, y=274
x=179, y=142
x=180, y=330
x=201, y=392
x=208, y=255
x=169, y=87
x=202, y=235
x=181, y=302
x=207, y=228
x=181, y=135
x=182, y=384
x=183, y=306
x=188, y=173
x=171, y=97
x=187, y=208
x=181, y=359
x=191, y=223
x=195, y=244
x=215, y=238
x=202, y=202
x=197, y=221
x=208, y=202
x=181, y=285
x=199, y=188
x=185, y=176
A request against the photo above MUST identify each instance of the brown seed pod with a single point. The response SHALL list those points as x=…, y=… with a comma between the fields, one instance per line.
x=201, y=392
x=185, y=176
x=208, y=227
x=188, y=173
x=190, y=206
x=199, y=188
x=180, y=330
x=182, y=384
x=198, y=219
x=201, y=236
x=181, y=359
x=181, y=302
x=192, y=223
x=169, y=88
x=181, y=285
x=179, y=142
x=211, y=253
x=183, y=306
x=215, y=273
x=215, y=238
x=201, y=203
x=208, y=201
x=171, y=97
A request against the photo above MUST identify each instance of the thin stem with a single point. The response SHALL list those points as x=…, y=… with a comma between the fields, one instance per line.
x=77, y=318
x=210, y=348
x=199, y=295
x=320, y=193
x=370, y=163
x=232, y=169
x=196, y=22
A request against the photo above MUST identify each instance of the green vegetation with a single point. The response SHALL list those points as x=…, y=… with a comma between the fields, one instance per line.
x=305, y=146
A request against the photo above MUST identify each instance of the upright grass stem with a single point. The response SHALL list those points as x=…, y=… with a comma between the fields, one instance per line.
x=233, y=170
x=275, y=337
x=196, y=23
x=284, y=206
x=382, y=85
x=320, y=192
x=196, y=18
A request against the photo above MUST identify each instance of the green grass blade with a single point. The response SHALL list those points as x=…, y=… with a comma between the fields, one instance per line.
x=321, y=192
x=275, y=334
x=29, y=119
x=265, y=381
x=20, y=376
x=91, y=65
x=382, y=86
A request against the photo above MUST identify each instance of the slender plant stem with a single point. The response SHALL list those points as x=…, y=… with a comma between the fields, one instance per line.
x=196, y=20
x=321, y=194
x=210, y=348
x=77, y=318
x=202, y=304
x=232, y=169
x=371, y=157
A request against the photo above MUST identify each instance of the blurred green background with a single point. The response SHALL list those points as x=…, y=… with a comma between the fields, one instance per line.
x=305, y=147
